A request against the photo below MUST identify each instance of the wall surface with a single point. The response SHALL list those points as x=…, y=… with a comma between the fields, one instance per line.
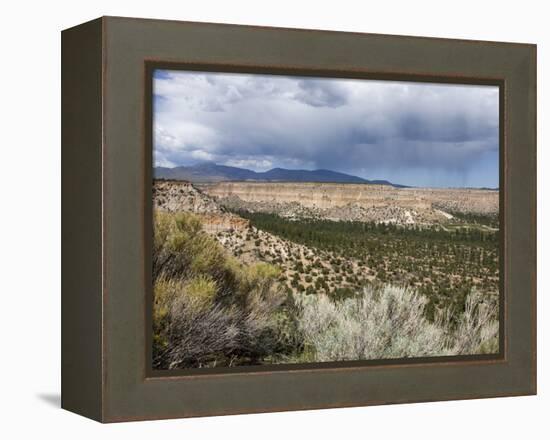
x=30, y=221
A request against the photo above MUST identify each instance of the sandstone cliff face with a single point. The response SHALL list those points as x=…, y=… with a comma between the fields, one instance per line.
x=360, y=202
x=313, y=195
x=357, y=202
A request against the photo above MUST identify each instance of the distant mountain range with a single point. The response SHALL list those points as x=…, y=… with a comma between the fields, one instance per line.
x=211, y=172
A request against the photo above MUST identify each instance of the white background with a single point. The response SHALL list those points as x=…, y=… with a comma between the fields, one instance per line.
x=30, y=219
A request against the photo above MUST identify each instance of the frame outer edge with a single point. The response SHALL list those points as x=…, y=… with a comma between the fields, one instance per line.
x=534, y=79
x=81, y=258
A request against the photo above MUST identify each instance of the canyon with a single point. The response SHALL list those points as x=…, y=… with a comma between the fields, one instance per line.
x=354, y=202
x=422, y=238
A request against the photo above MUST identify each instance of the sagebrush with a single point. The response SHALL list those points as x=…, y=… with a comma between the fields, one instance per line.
x=390, y=322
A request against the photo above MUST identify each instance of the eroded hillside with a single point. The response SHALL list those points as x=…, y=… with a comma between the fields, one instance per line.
x=354, y=202
x=245, y=241
x=177, y=196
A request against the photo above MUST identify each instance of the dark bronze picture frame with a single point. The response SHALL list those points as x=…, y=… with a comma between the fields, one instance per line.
x=106, y=218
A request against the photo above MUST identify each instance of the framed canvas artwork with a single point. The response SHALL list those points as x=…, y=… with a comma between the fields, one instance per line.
x=264, y=219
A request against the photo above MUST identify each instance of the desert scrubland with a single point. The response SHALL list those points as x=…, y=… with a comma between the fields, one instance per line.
x=249, y=273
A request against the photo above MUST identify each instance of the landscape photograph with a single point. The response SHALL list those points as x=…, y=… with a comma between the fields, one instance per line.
x=302, y=220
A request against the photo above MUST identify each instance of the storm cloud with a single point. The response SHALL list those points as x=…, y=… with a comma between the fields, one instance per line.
x=411, y=133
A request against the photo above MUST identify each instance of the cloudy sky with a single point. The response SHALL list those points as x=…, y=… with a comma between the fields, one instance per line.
x=410, y=133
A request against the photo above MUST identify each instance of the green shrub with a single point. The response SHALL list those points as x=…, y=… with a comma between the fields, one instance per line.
x=202, y=290
x=208, y=308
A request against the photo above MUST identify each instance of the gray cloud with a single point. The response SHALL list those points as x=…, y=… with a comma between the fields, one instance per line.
x=363, y=127
x=321, y=93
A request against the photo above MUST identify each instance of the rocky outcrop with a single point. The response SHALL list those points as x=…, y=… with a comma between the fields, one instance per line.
x=181, y=196
x=174, y=196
